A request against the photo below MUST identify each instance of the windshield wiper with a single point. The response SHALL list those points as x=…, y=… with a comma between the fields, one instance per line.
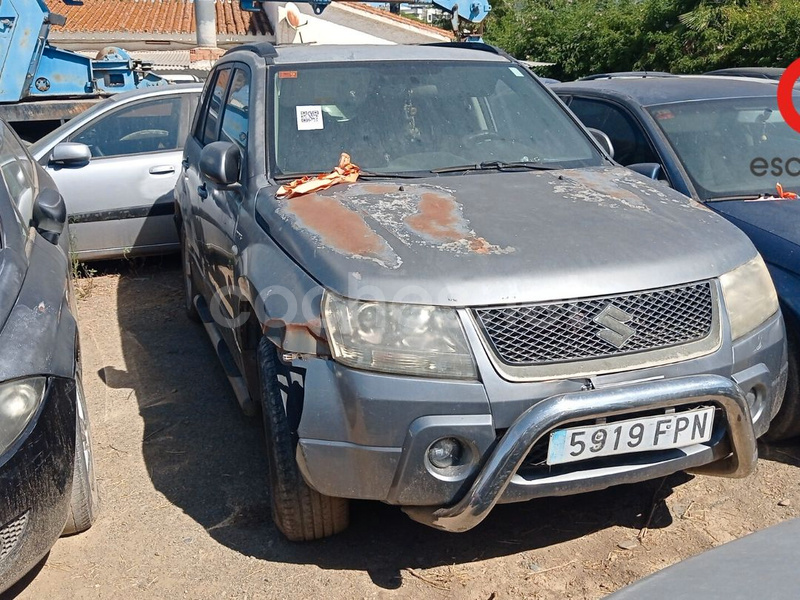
x=746, y=197
x=496, y=165
x=402, y=175
x=361, y=175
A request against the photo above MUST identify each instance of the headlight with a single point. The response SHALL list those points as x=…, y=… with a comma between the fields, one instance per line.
x=749, y=296
x=19, y=401
x=398, y=338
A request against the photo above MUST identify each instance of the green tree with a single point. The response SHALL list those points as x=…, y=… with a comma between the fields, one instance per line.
x=680, y=36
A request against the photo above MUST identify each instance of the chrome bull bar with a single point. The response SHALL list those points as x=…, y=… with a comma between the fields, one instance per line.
x=508, y=455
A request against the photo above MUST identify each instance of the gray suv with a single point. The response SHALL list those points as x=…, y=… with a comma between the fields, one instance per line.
x=493, y=312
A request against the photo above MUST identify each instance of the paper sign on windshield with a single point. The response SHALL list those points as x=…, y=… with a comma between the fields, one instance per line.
x=309, y=117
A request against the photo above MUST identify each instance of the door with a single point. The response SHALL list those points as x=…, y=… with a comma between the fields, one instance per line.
x=196, y=222
x=122, y=200
x=219, y=213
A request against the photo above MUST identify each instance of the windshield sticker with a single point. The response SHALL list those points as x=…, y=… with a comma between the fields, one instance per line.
x=287, y=74
x=309, y=118
x=663, y=115
x=516, y=71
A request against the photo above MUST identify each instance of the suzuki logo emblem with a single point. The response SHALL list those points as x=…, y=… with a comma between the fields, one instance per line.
x=615, y=331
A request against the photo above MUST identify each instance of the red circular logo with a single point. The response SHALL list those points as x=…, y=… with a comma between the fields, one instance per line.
x=785, y=102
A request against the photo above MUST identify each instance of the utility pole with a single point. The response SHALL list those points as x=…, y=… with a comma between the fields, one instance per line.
x=205, y=15
x=206, y=53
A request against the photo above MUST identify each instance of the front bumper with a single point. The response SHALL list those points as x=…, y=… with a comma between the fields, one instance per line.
x=365, y=435
x=502, y=467
x=36, y=482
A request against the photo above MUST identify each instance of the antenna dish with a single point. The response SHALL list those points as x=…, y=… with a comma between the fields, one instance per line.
x=293, y=16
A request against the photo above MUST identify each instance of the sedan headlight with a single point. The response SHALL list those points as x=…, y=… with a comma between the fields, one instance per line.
x=749, y=296
x=398, y=338
x=19, y=401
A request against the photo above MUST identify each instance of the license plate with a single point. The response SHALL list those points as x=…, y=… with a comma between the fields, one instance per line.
x=659, y=432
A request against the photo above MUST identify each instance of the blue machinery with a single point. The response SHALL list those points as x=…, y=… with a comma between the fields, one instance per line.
x=32, y=69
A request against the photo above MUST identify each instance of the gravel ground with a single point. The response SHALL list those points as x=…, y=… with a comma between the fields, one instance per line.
x=185, y=507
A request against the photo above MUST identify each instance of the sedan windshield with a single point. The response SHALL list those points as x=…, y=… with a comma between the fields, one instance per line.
x=415, y=116
x=733, y=147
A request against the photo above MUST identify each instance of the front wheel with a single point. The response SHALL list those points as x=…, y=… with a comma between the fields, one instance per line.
x=84, y=502
x=301, y=514
x=189, y=289
x=786, y=424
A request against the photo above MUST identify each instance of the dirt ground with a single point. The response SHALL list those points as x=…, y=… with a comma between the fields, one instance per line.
x=185, y=508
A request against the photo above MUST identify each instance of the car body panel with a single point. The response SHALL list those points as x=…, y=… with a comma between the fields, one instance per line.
x=771, y=556
x=122, y=205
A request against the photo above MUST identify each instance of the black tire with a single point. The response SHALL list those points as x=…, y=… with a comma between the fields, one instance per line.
x=786, y=424
x=84, y=502
x=189, y=288
x=300, y=513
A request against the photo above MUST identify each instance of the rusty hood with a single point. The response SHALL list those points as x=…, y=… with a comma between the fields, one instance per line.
x=502, y=237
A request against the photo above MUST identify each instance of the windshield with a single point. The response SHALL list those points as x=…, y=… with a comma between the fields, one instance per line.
x=732, y=147
x=410, y=116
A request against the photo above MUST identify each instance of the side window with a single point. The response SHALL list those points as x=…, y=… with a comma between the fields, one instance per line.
x=210, y=121
x=630, y=143
x=16, y=170
x=235, y=116
x=147, y=126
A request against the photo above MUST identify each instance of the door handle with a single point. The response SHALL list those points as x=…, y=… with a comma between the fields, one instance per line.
x=162, y=170
x=202, y=191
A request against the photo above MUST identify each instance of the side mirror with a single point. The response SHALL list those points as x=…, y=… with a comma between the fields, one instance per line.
x=49, y=214
x=651, y=170
x=221, y=162
x=70, y=154
x=602, y=138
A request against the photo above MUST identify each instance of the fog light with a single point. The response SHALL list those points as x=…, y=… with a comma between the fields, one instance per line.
x=445, y=453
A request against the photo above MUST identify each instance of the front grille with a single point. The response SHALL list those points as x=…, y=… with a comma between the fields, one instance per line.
x=538, y=334
x=11, y=533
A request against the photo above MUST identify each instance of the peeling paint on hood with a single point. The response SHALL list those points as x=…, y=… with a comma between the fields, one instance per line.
x=421, y=215
x=339, y=227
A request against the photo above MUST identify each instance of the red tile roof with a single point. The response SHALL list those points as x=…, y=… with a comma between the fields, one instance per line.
x=153, y=16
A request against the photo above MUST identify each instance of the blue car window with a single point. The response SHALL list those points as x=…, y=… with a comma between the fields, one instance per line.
x=630, y=143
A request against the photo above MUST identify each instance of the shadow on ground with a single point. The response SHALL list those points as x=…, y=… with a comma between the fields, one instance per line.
x=787, y=453
x=207, y=459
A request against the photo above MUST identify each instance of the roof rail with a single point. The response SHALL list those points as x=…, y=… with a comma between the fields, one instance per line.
x=263, y=49
x=482, y=46
x=626, y=75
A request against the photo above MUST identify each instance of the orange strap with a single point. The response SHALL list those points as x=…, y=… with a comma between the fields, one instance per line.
x=346, y=172
x=782, y=194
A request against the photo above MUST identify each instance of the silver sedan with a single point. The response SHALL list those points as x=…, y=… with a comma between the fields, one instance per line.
x=116, y=166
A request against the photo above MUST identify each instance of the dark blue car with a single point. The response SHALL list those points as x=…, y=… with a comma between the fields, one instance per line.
x=723, y=142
